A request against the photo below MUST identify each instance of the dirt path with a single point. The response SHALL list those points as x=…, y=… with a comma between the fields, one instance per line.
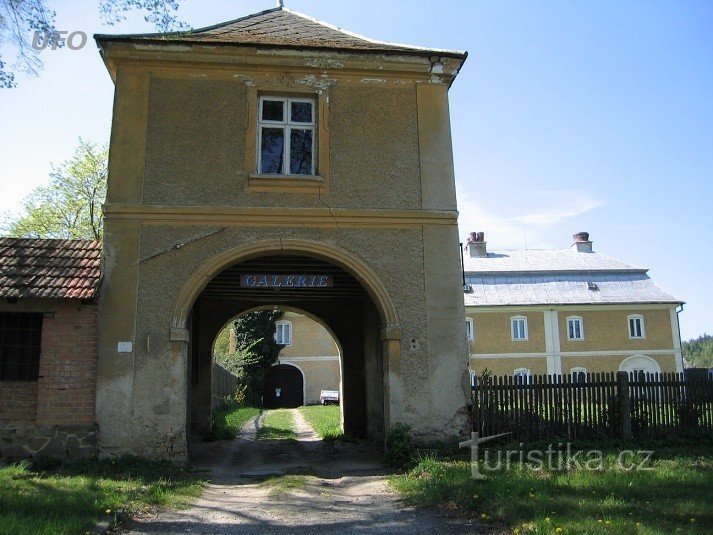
x=331, y=488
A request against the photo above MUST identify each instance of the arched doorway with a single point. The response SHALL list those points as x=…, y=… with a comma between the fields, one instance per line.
x=284, y=387
x=322, y=289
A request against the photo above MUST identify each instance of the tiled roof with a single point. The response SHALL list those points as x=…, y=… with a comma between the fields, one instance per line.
x=544, y=260
x=37, y=268
x=557, y=277
x=281, y=27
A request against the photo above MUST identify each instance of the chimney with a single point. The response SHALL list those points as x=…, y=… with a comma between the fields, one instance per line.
x=581, y=243
x=477, y=246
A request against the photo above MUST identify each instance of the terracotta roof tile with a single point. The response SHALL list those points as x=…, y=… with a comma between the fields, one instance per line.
x=36, y=268
x=281, y=27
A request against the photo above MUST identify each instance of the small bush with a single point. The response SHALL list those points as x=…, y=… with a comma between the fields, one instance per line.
x=398, y=446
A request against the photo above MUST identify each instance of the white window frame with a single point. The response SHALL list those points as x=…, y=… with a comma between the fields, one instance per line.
x=632, y=333
x=284, y=324
x=526, y=333
x=577, y=319
x=523, y=373
x=574, y=372
x=469, y=329
x=287, y=125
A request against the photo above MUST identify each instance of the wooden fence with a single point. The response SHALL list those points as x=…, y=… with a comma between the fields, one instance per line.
x=591, y=406
x=224, y=384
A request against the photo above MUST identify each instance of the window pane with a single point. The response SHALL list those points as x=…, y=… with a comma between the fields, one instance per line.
x=273, y=110
x=301, y=152
x=272, y=146
x=301, y=112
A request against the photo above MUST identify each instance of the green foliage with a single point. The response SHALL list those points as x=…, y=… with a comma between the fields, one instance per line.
x=230, y=419
x=19, y=19
x=325, y=420
x=71, y=499
x=671, y=497
x=69, y=206
x=698, y=352
x=398, y=446
x=255, y=343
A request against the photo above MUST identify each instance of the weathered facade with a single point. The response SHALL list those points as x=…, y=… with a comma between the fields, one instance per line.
x=190, y=209
x=566, y=311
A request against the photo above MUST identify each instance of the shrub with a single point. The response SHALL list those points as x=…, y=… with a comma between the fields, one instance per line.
x=398, y=446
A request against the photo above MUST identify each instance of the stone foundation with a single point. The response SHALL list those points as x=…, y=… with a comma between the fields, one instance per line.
x=61, y=442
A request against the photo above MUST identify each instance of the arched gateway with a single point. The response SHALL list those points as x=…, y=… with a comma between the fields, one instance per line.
x=250, y=168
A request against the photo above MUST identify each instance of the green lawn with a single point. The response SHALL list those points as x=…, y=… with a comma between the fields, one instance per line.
x=228, y=421
x=70, y=500
x=325, y=420
x=674, y=497
x=277, y=424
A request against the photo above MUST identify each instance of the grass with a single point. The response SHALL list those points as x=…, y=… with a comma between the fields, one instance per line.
x=277, y=425
x=673, y=497
x=286, y=483
x=228, y=421
x=72, y=498
x=325, y=420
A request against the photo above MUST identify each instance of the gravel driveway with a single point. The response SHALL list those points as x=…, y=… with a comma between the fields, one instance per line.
x=338, y=488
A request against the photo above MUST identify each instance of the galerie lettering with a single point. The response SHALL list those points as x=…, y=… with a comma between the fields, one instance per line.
x=285, y=281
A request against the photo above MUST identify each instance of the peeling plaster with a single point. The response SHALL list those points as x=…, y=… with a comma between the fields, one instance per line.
x=325, y=63
x=324, y=82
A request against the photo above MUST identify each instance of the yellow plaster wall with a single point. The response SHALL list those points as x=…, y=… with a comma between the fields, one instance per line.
x=309, y=338
x=507, y=365
x=610, y=363
x=493, y=332
x=606, y=330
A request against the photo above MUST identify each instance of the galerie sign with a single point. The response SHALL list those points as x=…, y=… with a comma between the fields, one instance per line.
x=270, y=280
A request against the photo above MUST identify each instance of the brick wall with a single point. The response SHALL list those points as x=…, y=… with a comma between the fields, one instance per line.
x=66, y=388
x=18, y=401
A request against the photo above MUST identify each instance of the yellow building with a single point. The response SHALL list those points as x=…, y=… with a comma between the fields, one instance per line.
x=311, y=349
x=562, y=311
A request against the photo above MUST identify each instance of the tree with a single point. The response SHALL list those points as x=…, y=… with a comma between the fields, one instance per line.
x=698, y=352
x=255, y=343
x=70, y=205
x=21, y=19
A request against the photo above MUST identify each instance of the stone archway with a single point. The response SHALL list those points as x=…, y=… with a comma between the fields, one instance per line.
x=357, y=311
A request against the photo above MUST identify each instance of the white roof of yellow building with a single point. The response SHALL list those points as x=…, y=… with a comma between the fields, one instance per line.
x=557, y=277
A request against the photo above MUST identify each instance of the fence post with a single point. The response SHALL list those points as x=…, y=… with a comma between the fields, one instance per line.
x=624, y=404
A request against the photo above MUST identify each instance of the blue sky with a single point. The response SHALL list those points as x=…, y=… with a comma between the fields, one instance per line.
x=568, y=116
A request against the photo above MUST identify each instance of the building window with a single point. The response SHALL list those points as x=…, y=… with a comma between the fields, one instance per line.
x=575, y=328
x=286, y=136
x=283, y=333
x=20, y=346
x=578, y=373
x=522, y=375
x=469, y=329
x=636, y=326
x=519, y=327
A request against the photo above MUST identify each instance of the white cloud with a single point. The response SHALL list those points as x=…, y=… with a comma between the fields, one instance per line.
x=523, y=221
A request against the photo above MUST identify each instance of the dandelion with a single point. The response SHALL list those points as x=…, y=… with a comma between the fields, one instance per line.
x=607, y=522
x=483, y=516
x=108, y=511
x=559, y=530
x=547, y=519
x=693, y=520
x=600, y=520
